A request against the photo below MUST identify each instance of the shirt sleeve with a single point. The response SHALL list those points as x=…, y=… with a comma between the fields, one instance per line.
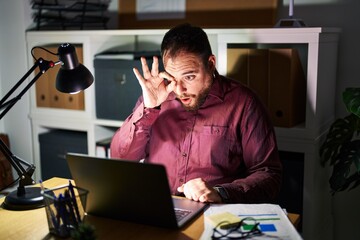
x=262, y=180
x=131, y=139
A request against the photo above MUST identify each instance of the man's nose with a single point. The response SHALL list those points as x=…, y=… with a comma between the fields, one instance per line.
x=180, y=87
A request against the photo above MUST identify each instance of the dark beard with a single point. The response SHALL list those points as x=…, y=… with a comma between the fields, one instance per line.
x=200, y=100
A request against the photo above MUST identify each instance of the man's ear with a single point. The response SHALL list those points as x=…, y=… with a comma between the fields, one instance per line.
x=212, y=63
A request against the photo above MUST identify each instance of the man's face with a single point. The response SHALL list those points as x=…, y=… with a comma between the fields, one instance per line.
x=193, y=78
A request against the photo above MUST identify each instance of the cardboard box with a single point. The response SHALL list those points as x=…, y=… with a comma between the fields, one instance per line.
x=276, y=76
x=287, y=88
x=207, y=14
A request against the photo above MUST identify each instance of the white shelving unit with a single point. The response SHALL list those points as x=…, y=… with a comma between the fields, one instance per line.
x=321, y=81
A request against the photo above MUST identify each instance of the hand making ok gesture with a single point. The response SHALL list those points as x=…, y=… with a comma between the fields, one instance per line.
x=155, y=85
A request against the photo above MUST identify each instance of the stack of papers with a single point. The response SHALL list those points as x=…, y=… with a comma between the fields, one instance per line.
x=272, y=220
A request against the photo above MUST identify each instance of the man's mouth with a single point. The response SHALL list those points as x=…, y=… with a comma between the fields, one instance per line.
x=185, y=100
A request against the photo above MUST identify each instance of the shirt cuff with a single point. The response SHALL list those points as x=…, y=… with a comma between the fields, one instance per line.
x=223, y=194
x=145, y=116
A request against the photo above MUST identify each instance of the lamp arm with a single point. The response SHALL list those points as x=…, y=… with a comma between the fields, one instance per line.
x=8, y=154
x=25, y=175
x=43, y=65
x=17, y=85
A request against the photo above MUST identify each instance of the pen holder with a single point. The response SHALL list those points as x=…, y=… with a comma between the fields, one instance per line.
x=65, y=209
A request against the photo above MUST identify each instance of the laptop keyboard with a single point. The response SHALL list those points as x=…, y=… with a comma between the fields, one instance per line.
x=181, y=213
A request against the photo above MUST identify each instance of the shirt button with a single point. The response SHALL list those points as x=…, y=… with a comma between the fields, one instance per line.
x=184, y=154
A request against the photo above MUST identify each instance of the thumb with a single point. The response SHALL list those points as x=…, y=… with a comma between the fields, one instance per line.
x=171, y=86
x=181, y=188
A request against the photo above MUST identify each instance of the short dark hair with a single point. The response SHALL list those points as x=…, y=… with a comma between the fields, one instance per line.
x=188, y=38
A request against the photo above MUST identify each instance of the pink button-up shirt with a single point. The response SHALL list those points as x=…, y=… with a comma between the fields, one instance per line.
x=229, y=142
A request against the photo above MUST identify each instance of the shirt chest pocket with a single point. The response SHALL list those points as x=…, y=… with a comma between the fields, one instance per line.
x=216, y=131
x=216, y=145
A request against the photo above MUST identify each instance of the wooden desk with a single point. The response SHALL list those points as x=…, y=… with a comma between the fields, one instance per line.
x=32, y=224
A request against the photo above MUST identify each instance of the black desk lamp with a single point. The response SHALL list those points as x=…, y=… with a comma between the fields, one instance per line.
x=71, y=78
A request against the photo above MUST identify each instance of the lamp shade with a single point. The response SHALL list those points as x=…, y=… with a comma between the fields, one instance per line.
x=72, y=76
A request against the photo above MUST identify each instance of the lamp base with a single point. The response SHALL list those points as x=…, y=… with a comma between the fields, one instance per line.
x=290, y=23
x=30, y=200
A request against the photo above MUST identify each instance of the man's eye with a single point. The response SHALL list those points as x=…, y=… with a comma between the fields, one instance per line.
x=189, y=77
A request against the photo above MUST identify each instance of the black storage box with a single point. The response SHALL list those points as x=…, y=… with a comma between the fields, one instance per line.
x=53, y=148
x=116, y=87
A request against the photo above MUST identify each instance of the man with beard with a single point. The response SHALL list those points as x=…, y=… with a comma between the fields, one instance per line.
x=211, y=133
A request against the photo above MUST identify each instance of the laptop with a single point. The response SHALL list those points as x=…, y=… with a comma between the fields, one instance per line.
x=131, y=191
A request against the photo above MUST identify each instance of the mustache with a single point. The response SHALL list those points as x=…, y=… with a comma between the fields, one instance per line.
x=185, y=95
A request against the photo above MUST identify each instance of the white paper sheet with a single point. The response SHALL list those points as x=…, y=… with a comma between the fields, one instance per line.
x=273, y=220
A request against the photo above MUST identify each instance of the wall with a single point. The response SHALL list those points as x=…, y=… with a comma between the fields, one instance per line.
x=1, y=70
x=15, y=17
x=342, y=14
x=13, y=65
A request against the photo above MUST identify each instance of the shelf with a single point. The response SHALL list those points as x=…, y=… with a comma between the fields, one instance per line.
x=318, y=47
x=72, y=6
x=70, y=13
x=108, y=123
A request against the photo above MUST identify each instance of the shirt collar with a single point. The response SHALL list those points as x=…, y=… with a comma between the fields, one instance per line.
x=217, y=89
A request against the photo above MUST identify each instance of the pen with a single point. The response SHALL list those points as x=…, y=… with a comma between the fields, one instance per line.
x=68, y=203
x=64, y=229
x=62, y=211
x=73, y=197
